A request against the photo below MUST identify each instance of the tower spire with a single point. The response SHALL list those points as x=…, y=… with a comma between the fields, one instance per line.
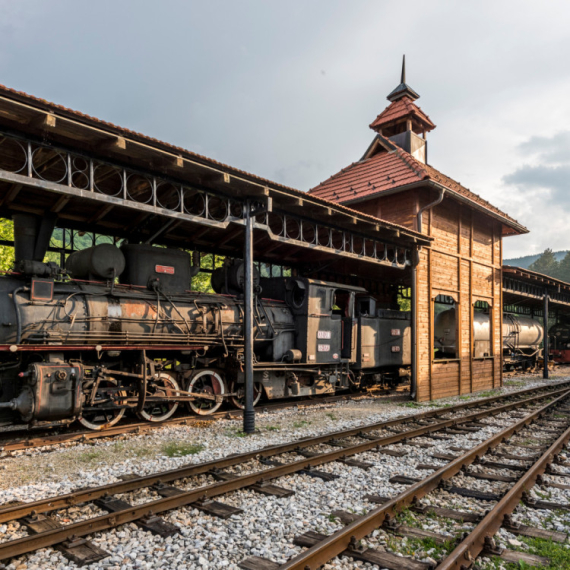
x=403, y=90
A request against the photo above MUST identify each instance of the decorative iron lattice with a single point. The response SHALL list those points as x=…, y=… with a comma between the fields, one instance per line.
x=525, y=289
x=58, y=170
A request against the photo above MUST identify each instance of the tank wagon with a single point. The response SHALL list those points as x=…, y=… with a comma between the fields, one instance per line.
x=120, y=330
x=522, y=338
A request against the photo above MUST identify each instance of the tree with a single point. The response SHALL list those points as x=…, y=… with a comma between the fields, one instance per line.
x=546, y=264
x=564, y=268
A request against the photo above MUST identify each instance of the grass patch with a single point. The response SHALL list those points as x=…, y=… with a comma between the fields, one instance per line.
x=514, y=383
x=142, y=452
x=236, y=432
x=556, y=552
x=331, y=416
x=301, y=424
x=488, y=394
x=272, y=428
x=180, y=449
x=89, y=456
x=421, y=547
x=410, y=405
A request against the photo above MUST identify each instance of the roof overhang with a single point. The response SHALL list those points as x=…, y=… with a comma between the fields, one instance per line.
x=37, y=123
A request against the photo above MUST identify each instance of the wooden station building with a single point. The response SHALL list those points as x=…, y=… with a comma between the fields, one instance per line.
x=462, y=267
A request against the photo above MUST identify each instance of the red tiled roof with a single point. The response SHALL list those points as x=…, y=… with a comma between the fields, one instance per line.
x=399, y=109
x=389, y=170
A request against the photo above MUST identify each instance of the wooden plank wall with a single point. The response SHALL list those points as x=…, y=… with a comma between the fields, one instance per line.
x=465, y=263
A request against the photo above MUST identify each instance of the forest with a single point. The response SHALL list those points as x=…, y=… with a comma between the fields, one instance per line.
x=548, y=265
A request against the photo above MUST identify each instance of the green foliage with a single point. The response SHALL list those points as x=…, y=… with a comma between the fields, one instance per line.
x=557, y=553
x=6, y=252
x=180, y=449
x=405, y=300
x=546, y=264
x=564, y=268
x=301, y=424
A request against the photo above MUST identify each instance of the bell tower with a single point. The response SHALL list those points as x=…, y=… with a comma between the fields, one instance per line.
x=403, y=122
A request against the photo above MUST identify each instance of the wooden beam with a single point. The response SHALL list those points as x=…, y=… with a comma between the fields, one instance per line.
x=11, y=195
x=60, y=204
x=43, y=121
x=98, y=216
x=113, y=143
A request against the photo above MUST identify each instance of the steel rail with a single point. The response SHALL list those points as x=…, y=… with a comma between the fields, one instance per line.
x=341, y=540
x=467, y=551
x=23, y=545
x=90, y=494
x=33, y=441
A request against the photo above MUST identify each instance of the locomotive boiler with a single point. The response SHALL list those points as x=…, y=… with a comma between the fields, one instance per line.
x=119, y=329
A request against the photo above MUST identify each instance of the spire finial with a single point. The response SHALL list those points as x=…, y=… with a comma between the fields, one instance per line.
x=403, y=90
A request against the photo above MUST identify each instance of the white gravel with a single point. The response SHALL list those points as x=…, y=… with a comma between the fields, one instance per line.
x=268, y=525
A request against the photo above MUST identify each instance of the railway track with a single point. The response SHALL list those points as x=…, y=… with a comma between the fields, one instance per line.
x=479, y=541
x=260, y=470
x=23, y=439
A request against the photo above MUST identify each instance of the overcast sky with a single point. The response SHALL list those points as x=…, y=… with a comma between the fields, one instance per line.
x=286, y=90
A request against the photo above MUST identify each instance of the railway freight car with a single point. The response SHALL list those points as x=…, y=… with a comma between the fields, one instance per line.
x=522, y=338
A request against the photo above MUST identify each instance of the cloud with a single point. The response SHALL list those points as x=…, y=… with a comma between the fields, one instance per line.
x=554, y=179
x=552, y=150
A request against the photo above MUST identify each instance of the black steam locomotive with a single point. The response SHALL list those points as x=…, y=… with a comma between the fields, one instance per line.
x=120, y=330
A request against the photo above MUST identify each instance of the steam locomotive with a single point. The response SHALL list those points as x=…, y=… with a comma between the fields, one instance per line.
x=119, y=330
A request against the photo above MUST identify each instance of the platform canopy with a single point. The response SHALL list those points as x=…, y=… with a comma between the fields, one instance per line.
x=98, y=177
x=525, y=289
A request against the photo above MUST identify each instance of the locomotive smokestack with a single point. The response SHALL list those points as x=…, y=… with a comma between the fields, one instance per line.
x=31, y=236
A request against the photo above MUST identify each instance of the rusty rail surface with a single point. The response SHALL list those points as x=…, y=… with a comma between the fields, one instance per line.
x=20, y=546
x=473, y=544
x=341, y=540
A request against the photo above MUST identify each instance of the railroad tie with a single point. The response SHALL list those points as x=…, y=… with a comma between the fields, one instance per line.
x=370, y=555
x=78, y=550
x=513, y=556
x=152, y=523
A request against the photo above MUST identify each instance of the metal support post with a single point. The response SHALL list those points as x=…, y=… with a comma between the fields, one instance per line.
x=414, y=327
x=545, y=342
x=248, y=412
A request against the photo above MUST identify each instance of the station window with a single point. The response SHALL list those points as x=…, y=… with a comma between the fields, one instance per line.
x=445, y=327
x=482, y=323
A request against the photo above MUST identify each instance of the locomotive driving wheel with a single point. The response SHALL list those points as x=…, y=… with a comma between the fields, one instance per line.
x=163, y=386
x=210, y=383
x=238, y=401
x=100, y=419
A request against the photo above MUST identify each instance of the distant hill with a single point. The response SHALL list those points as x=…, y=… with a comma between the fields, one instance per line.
x=526, y=260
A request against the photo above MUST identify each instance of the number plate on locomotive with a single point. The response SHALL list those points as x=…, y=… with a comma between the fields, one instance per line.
x=324, y=334
x=395, y=349
x=168, y=269
x=395, y=332
x=323, y=347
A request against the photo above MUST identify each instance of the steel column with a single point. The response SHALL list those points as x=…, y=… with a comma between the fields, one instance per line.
x=545, y=342
x=248, y=412
x=414, y=323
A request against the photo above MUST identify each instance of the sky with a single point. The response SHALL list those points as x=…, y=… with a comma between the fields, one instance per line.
x=286, y=90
